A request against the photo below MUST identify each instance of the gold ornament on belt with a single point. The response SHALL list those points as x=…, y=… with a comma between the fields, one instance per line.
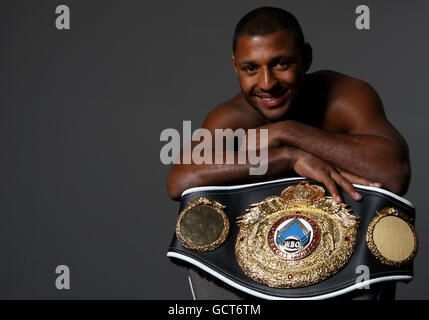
x=295, y=240
x=203, y=225
x=392, y=238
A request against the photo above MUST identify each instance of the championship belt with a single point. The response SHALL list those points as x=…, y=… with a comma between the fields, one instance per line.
x=287, y=239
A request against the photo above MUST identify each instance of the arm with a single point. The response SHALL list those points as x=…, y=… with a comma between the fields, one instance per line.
x=184, y=176
x=370, y=146
x=281, y=160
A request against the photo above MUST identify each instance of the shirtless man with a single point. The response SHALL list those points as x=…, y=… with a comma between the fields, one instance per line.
x=324, y=125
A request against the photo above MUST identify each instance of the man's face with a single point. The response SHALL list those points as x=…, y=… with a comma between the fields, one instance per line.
x=271, y=72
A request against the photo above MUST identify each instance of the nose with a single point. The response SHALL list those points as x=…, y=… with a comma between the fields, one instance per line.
x=267, y=81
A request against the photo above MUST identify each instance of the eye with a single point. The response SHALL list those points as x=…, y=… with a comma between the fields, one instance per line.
x=281, y=64
x=249, y=68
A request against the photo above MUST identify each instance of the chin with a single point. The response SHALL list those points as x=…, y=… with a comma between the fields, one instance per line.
x=275, y=114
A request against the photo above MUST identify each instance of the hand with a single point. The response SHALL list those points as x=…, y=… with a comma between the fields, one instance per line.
x=253, y=142
x=312, y=167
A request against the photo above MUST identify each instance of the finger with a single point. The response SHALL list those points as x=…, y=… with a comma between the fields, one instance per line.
x=332, y=188
x=346, y=185
x=358, y=180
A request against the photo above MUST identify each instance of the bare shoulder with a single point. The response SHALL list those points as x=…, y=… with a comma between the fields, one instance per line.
x=339, y=85
x=351, y=103
x=234, y=113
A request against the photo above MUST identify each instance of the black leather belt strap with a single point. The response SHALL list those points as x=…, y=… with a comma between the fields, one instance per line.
x=222, y=264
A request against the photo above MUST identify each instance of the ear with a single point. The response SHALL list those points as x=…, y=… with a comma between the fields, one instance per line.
x=308, y=56
x=234, y=65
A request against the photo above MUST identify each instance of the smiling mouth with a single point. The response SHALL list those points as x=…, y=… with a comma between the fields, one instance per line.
x=273, y=101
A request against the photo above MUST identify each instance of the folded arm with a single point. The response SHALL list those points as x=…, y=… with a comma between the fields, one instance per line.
x=185, y=176
x=282, y=161
x=369, y=147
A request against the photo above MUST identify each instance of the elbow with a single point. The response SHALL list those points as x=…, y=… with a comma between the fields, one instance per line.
x=174, y=187
x=178, y=180
x=173, y=191
x=400, y=179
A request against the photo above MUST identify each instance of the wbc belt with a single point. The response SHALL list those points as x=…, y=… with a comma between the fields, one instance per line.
x=287, y=239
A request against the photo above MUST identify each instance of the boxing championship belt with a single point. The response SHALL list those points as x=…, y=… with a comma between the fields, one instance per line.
x=288, y=239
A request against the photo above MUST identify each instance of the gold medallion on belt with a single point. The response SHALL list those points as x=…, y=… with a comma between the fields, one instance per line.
x=295, y=240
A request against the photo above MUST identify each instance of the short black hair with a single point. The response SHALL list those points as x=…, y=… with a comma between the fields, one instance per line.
x=267, y=20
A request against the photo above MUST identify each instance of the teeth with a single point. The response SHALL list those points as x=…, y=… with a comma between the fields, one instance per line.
x=268, y=99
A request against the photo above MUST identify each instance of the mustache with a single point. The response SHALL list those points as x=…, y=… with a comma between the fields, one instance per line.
x=276, y=90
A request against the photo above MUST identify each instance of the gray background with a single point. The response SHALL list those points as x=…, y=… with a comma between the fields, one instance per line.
x=82, y=110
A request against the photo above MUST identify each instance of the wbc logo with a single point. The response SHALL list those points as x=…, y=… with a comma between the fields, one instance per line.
x=294, y=237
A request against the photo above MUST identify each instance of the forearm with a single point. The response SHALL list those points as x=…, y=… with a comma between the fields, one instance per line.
x=185, y=176
x=372, y=157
